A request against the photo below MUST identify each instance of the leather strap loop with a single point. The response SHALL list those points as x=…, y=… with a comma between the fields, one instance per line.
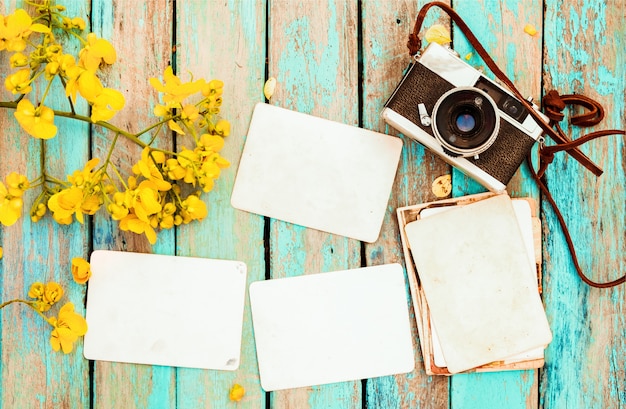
x=553, y=104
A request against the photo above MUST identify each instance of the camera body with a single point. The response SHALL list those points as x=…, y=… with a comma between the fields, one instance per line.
x=468, y=120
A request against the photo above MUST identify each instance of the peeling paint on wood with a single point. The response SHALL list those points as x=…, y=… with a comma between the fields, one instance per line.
x=326, y=67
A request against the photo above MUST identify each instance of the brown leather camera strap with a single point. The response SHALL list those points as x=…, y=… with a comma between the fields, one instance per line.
x=553, y=105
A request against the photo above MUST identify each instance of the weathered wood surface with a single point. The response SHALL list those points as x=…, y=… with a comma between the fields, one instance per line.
x=338, y=59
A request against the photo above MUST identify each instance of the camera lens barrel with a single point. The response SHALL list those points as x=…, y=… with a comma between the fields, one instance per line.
x=465, y=121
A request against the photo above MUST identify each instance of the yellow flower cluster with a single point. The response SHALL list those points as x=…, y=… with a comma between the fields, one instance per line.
x=165, y=187
x=47, y=60
x=83, y=196
x=45, y=295
x=68, y=326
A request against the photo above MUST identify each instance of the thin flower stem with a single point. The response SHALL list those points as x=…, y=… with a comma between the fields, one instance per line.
x=119, y=176
x=108, y=158
x=69, y=98
x=29, y=303
x=45, y=93
x=160, y=123
x=133, y=137
x=155, y=135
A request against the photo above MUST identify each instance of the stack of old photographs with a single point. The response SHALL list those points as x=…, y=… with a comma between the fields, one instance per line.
x=473, y=265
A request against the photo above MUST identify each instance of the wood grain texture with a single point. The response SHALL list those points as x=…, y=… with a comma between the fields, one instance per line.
x=326, y=67
x=141, y=34
x=585, y=53
x=499, y=25
x=313, y=55
x=385, y=29
x=32, y=374
x=226, y=41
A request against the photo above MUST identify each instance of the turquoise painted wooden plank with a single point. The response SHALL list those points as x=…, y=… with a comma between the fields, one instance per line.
x=226, y=41
x=33, y=375
x=312, y=53
x=141, y=34
x=584, y=49
x=386, y=26
x=499, y=25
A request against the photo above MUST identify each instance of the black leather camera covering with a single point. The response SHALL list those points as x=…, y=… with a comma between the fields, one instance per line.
x=421, y=85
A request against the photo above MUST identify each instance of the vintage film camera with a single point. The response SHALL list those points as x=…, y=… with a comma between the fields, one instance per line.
x=470, y=121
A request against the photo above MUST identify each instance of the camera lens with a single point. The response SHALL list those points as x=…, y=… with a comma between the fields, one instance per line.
x=465, y=121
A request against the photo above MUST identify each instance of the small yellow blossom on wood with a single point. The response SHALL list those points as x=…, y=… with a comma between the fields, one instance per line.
x=442, y=186
x=530, y=29
x=52, y=293
x=236, y=392
x=81, y=270
x=37, y=122
x=438, y=34
x=98, y=51
x=269, y=87
x=67, y=328
x=1, y=253
x=45, y=295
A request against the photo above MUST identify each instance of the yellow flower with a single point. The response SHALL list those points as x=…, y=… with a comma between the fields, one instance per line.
x=222, y=128
x=10, y=206
x=138, y=226
x=145, y=202
x=211, y=143
x=17, y=184
x=173, y=88
x=236, y=392
x=36, y=291
x=269, y=87
x=38, y=212
x=165, y=218
x=65, y=61
x=86, y=176
x=189, y=113
x=97, y=51
x=106, y=105
x=19, y=82
x=1, y=253
x=89, y=85
x=438, y=34
x=147, y=167
x=65, y=204
x=530, y=29
x=81, y=270
x=119, y=207
x=193, y=209
x=175, y=170
x=173, y=125
x=18, y=60
x=67, y=329
x=37, y=122
x=52, y=293
x=213, y=87
x=79, y=23
x=15, y=29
